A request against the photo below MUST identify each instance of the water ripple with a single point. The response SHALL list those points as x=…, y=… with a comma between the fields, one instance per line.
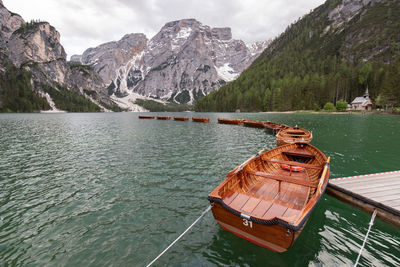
x=109, y=189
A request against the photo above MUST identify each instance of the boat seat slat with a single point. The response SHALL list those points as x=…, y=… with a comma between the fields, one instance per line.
x=275, y=211
x=261, y=208
x=251, y=204
x=284, y=178
x=294, y=163
x=239, y=201
x=229, y=196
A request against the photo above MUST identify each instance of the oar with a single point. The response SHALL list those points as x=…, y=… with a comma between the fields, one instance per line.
x=326, y=167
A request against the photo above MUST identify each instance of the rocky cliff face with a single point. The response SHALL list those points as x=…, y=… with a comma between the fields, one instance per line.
x=184, y=61
x=108, y=57
x=9, y=22
x=35, y=47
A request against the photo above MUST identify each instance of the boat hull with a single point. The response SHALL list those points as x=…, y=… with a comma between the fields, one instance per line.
x=274, y=237
x=254, y=124
x=181, y=119
x=194, y=119
x=264, y=202
x=146, y=117
x=230, y=121
x=163, y=118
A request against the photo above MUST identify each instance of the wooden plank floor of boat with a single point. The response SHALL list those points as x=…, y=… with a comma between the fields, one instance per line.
x=264, y=201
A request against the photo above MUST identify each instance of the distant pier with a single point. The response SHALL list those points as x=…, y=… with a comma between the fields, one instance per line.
x=380, y=191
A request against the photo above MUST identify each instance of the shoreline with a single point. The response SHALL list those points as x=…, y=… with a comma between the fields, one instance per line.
x=328, y=112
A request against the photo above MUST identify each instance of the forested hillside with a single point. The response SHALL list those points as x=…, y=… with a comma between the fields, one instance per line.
x=326, y=56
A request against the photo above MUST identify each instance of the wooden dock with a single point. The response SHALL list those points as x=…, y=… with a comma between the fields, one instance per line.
x=379, y=191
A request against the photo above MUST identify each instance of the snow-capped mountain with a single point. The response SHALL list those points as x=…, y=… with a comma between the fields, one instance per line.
x=185, y=60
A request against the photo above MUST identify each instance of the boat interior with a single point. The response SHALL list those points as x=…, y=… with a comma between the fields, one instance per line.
x=276, y=184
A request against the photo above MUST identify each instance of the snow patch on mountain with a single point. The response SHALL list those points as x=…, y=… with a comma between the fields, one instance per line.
x=226, y=72
x=128, y=102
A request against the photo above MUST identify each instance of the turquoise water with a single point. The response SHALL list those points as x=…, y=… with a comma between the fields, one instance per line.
x=108, y=189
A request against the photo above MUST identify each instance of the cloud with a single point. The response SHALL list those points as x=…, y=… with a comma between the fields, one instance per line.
x=87, y=23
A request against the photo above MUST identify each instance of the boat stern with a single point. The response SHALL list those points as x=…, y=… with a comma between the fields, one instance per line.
x=274, y=237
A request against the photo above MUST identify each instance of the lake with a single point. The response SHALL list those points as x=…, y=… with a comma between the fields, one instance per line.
x=108, y=189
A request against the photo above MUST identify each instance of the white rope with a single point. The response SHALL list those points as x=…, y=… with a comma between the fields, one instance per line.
x=366, y=237
x=179, y=237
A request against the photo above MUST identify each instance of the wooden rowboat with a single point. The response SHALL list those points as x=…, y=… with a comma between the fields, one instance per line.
x=197, y=119
x=254, y=124
x=163, y=118
x=230, y=121
x=293, y=135
x=146, y=117
x=181, y=118
x=274, y=128
x=268, y=199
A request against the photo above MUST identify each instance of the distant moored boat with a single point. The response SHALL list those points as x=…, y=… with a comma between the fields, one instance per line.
x=163, y=118
x=146, y=117
x=181, y=118
x=274, y=127
x=197, y=119
x=254, y=124
x=293, y=135
x=230, y=121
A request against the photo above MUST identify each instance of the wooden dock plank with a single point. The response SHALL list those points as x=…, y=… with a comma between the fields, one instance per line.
x=368, y=184
x=367, y=180
x=391, y=193
x=375, y=188
x=382, y=198
x=379, y=191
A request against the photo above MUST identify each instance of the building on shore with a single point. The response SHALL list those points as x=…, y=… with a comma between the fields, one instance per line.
x=362, y=102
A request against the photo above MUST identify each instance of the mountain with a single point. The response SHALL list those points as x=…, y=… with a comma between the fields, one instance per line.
x=34, y=72
x=108, y=57
x=335, y=52
x=184, y=61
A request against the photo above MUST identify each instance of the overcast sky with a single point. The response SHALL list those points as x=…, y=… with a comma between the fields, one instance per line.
x=88, y=23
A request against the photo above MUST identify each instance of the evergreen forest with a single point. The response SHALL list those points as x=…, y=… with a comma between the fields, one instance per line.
x=313, y=63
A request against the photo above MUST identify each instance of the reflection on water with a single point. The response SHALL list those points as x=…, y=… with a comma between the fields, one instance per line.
x=110, y=189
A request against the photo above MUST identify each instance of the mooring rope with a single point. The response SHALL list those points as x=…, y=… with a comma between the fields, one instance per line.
x=179, y=237
x=366, y=237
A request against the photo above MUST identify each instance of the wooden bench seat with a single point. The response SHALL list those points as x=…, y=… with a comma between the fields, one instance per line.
x=284, y=178
x=299, y=152
x=294, y=163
